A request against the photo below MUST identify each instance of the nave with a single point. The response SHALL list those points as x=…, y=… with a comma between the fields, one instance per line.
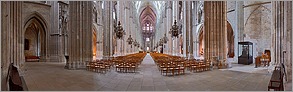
x=189, y=45
x=147, y=78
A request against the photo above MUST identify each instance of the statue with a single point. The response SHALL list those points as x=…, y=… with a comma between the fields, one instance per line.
x=244, y=52
x=63, y=19
x=200, y=14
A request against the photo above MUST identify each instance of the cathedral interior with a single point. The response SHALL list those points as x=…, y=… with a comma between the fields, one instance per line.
x=146, y=45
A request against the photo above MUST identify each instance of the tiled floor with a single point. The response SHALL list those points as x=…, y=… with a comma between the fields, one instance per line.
x=47, y=76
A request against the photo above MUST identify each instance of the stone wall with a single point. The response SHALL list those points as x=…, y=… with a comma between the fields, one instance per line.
x=257, y=25
x=30, y=7
x=31, y=35
x=231, y=14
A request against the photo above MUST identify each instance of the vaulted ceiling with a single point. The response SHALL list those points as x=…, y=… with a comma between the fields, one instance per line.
x=147, y=16
x=149, y=13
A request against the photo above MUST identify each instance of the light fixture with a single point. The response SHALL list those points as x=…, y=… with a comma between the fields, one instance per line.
x=119, y=31
x=135, y=43
x=174, y=31
x=129, y=40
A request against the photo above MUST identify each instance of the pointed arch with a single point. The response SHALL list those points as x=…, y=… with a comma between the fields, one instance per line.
x=35, y=23
x=230, y=40
x=38, y=18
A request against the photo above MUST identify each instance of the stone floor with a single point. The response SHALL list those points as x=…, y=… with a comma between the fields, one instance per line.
x=48, y=76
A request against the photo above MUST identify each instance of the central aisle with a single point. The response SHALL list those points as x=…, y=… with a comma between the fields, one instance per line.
x=148, y=60
x=148, y=67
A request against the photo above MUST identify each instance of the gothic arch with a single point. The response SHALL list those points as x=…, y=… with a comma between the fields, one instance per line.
x=260, y=6
x=35, y=30
x=200, y=40
x=230, y=40
x=39, y=18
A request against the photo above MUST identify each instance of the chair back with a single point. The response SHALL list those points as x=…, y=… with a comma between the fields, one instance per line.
x=15, y=83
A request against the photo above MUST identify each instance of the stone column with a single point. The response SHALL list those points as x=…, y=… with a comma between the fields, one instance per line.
x=130, y=22
x=288, y=54
x=12, y=38
x=168, y=27
x=100, y=32
x=127, y=16
x=282, y=35
x=80, y=33
x=165, y=48
x=175, y=14
x=240, y=28
x=108, y=29
x=54, y=37
x=120, y=17
x=111, y=33
x=193, y=36
x=276, y=6
x=215, y=30
x=187, y=29
x=190, y=52
x=119, y=42
x=130, y=47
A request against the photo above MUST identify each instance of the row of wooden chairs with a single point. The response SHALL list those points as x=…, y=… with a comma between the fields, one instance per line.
x=128, y=63
x=171, y=68
x=198, y=66
x=169, y=64
x=126, y=67
x=99, y=66
x=176, y=65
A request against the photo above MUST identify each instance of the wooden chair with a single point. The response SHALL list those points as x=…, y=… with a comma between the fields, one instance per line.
x=126, y=67
x=102, y=68
x=133, y=66
x=14, y=80
x=208, y=65
x=194, y=66
x=171, y=69
x=90, y=65
x=181, y=69
x=120, y=67
x=187, y=65
x=107, y=65
x=276, y=81
x=202, y=66
x=163, y=69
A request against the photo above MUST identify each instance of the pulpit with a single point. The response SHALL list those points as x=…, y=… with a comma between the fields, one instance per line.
x=245, y=53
